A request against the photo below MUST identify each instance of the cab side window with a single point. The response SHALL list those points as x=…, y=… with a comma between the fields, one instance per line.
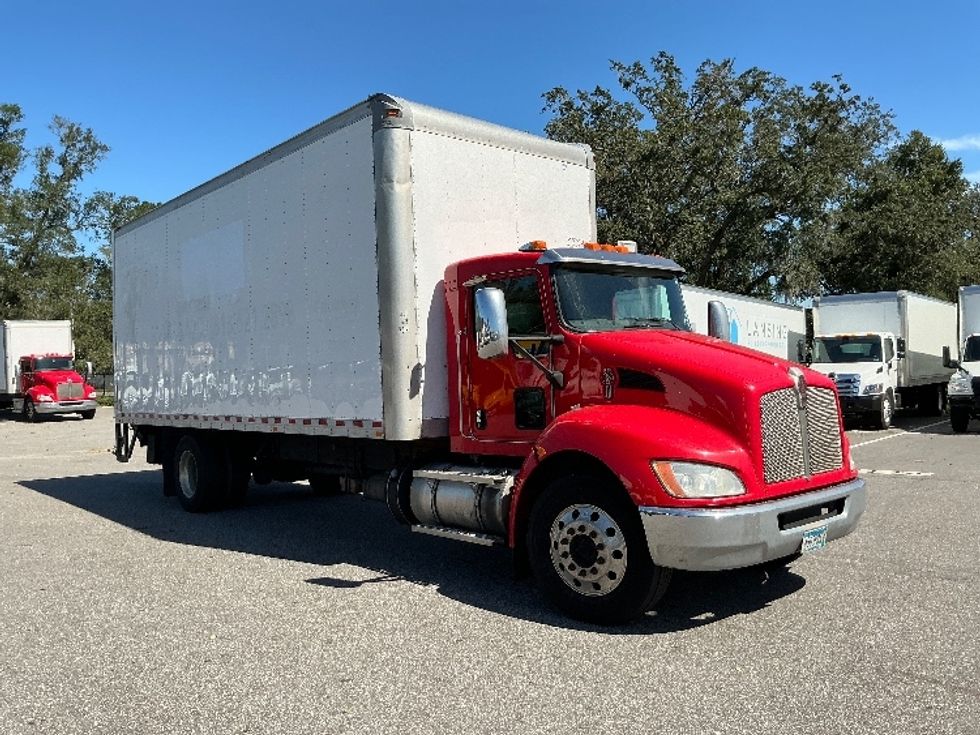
x=889, y=350
x=525, y=315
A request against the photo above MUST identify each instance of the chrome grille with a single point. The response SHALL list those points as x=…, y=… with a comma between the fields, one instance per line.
x=69, y=391
x=782, y=436
x=848, y=384
x=789, y=452
x=823, y=430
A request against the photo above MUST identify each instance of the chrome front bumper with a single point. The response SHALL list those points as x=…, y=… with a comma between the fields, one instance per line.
x=727, y=538
x=51, y=407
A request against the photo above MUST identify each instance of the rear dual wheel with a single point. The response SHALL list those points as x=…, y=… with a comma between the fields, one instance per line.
x=588, y=552
x=206, y=473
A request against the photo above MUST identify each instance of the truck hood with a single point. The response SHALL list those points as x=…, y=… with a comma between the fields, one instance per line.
x=53, y=378
x=972, y=368
x=868, y=371
x=717, y=381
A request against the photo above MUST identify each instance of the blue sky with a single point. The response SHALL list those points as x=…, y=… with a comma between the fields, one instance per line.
x=183, y=91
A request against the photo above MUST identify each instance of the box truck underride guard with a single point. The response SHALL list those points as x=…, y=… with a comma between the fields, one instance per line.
x=388, y=304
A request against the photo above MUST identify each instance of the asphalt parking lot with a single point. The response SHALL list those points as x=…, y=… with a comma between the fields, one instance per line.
x=293, y=614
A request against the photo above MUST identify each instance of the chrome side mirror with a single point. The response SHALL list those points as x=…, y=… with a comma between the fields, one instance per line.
x=718, y=325
x=492, y=338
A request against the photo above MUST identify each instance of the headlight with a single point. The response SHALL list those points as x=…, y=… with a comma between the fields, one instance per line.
x=93, y=394
x=44, y=398
x=872, y=389
x=691, y=480
x=960, y=384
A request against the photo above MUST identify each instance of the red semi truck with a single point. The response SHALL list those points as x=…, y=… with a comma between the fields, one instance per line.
x=37, y=371
x=366, y=307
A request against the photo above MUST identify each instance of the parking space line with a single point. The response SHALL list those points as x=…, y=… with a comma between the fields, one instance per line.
x=899, y=473
x=902, y=433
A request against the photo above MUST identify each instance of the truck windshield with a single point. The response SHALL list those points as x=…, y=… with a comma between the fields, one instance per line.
x=847, y=349
x=591, y=300
x=53, y=363
x=971, y=351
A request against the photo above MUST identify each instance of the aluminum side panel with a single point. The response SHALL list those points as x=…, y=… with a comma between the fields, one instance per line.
x=760, y=325
x=930, y=325
x=475, y=197
x=969, y=312
x=259, y=297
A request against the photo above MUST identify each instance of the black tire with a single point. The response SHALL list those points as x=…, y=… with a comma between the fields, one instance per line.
x=884, y=418
x=198, y=475
x=959, y=418
x=29, y=412
x=325, y=485
x=88, y=415
x=573, y=577
x=932, y=401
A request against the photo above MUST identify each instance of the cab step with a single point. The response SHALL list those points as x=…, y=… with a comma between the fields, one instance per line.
x=456, y=534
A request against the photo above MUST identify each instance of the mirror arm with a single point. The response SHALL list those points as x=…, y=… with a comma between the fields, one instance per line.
x=555, y=377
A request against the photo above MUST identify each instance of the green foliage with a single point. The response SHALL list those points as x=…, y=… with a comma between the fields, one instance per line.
x=909, y=221
x=44, y=271
x=765, y=188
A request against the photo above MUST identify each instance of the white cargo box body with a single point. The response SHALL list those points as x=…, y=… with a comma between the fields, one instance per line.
x=23, y=337
x=766, y=326
x=302, y=291
x=926, y=324
x=969, y=313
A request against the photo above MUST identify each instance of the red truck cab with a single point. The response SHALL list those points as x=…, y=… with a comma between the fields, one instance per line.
x=49, y=384
x=646, y=447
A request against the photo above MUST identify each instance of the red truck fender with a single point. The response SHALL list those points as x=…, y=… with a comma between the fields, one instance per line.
x=621, y=441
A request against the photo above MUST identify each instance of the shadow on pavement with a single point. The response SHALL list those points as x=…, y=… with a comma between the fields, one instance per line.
x=8, y=414
x=286, y=521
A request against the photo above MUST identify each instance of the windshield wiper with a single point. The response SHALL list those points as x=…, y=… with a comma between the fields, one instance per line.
x=647, y=322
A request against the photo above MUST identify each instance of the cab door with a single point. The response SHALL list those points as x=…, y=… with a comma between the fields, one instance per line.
x=509, y=398
x=26, y=379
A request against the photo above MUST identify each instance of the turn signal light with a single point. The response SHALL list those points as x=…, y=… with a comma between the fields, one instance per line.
x=533, y=245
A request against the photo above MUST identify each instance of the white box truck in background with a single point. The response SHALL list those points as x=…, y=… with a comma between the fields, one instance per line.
x=884, y=350
x=776, y=329
x=964, y=383
x=37, y=374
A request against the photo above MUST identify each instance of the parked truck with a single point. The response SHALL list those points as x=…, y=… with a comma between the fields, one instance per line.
x=964, y=383
x=884, y=351
x=387, y=304
x=776, y=329
x=37, y=374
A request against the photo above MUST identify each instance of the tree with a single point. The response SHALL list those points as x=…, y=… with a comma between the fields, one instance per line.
x=909, y=224
x=736, y=176
x=45, y=272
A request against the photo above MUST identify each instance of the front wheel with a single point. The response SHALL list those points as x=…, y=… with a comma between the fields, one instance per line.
x=88, y=415
x=588, y=552
x=30, y=411
x=884, y=418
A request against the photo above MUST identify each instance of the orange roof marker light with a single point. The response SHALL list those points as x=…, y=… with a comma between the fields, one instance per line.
x=627, y=246
x=533, y=245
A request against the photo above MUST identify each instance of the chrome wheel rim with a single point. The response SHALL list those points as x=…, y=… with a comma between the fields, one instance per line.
x=886, y=411
x=187, y=474
x=588, y=550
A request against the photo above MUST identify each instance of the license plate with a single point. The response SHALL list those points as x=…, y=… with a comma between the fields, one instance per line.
x=814, y=539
